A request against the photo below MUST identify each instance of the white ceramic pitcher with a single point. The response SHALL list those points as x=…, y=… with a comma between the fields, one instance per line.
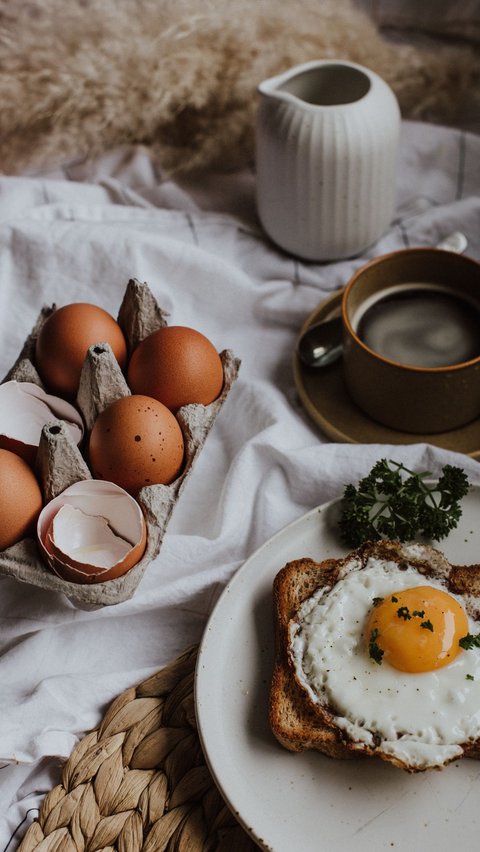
x=326, y=154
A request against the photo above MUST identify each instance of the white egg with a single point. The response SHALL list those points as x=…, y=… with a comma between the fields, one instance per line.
x=419, y=718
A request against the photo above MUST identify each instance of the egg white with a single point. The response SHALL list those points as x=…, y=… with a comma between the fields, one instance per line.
x=420, y=718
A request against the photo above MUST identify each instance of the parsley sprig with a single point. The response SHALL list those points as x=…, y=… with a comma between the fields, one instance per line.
x=397, y=503
x=469, y=641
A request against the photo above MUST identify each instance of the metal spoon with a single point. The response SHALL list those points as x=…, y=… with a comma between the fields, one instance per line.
x=321, y=344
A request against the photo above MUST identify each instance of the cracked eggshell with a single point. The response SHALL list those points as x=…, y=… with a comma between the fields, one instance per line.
x=24, y=409
x=92, y=532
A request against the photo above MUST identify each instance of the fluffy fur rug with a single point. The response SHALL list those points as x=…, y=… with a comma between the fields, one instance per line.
x=180, y=76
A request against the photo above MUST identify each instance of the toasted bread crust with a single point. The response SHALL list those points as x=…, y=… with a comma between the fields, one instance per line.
x=295, y=721
x=298, y=723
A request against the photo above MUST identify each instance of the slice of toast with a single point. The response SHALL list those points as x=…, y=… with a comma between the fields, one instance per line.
x=297, y=722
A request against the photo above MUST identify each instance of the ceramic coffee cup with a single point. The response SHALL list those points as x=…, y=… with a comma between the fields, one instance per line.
x=411, y=326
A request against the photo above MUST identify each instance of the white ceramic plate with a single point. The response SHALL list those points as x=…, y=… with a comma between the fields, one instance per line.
x=307, y=801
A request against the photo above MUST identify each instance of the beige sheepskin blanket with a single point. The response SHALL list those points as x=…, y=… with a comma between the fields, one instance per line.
x=79, y=77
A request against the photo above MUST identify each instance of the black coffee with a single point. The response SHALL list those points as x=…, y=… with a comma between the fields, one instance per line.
x=422, y=327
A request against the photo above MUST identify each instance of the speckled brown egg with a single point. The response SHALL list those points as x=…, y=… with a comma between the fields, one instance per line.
x=136, y=441
x=176, y=365
x=63, y=342
x=20, y=499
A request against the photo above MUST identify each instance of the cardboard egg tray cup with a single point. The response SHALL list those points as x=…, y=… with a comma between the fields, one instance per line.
x=60, y=462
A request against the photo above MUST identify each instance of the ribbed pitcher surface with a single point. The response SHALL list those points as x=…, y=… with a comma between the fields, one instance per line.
x=326, y=155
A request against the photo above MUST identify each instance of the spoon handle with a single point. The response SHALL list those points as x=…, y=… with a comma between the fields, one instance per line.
x=456, y=242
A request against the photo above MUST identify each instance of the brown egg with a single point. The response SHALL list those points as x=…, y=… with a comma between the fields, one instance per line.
x=20, y=499
x=136, y=441
x=63, y=342
x=176, y=365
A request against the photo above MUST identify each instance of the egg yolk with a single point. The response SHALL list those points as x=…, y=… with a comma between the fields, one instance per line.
x=418, y=629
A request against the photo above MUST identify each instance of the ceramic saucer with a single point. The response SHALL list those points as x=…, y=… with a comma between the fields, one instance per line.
x=324, y=396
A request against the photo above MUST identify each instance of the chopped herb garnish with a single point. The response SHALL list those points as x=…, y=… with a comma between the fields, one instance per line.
x=469, y=641
x=427, y=625
x=397, y=503
x=374, y=650
x=420, y=613
x=469, y=677
x=404, y=612
x=377, y=601
x=394, y=599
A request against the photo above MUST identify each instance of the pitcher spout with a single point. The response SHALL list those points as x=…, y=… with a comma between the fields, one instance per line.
x=319, y=83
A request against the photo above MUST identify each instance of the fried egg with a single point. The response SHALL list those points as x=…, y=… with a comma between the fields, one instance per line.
x=381, y=650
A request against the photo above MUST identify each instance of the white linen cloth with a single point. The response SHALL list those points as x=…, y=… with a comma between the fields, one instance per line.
x=79, y=234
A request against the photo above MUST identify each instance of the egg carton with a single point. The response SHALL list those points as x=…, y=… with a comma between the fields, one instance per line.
x=60, y=463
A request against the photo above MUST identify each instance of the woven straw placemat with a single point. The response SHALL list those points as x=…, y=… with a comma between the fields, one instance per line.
x=139, y=781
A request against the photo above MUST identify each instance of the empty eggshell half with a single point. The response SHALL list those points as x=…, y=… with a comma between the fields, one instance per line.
x=79, y=535
x=24, y=409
